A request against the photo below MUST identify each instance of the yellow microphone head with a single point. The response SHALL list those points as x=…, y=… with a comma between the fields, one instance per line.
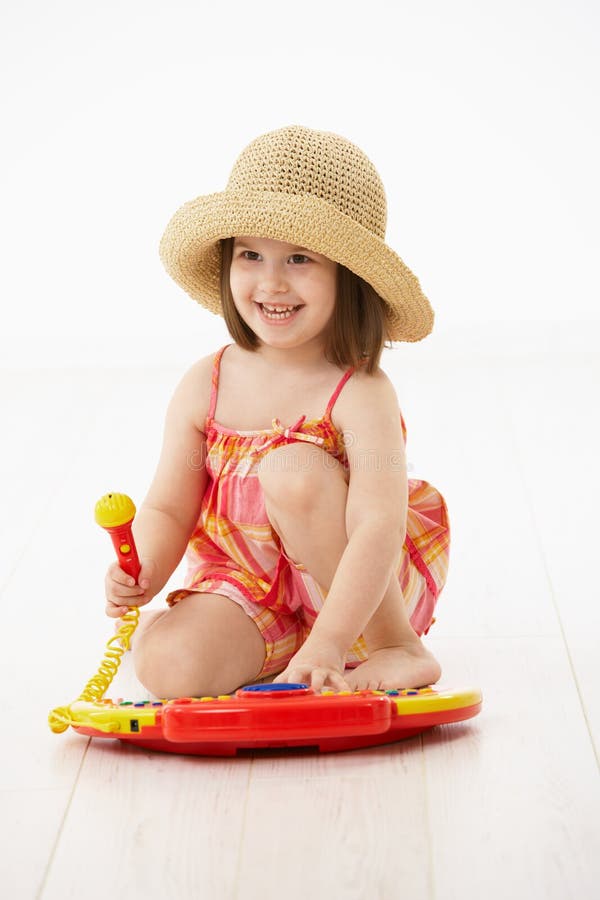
x=113, y=510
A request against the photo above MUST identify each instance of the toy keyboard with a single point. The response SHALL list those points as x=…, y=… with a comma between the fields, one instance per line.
x=274, y=716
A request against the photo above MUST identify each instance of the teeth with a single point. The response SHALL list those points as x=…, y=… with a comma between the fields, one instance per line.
x=278, y=312
x=278, y=308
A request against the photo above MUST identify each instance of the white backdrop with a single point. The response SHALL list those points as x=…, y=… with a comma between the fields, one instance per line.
x=480, y=117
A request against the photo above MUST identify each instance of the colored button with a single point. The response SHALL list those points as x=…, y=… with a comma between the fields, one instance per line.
x=125, y=548
x=280, y=686
x=260, y=691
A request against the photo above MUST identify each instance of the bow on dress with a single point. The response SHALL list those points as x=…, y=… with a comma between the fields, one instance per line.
x=287, y=434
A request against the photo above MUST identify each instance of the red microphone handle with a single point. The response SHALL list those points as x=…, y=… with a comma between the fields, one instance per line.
x=124, y=544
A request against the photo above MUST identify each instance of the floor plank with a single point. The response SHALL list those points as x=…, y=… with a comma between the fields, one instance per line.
x=555, y=422
x=358, y=820
x=514, y=795
x=163, y=825
x=31, y=821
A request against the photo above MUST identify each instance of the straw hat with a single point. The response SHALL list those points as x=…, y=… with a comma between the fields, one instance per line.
x=311, y=188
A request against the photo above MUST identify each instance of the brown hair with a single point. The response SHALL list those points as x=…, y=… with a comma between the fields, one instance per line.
x=358, y=328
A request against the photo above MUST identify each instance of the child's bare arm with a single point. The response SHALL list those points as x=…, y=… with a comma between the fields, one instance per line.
x=170, y=510
x=376, y=509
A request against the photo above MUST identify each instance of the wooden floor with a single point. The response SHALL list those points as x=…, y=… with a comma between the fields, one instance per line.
x=504, y=806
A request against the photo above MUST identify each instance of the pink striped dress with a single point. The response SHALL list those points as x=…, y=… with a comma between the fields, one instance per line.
x=234, y=550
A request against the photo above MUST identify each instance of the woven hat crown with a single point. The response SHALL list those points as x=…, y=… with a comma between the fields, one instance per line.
x=297, y=160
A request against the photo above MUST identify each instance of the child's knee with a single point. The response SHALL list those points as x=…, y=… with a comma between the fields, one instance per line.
x=297, y=475
x=170, y=665
x=164, y=665
x=147, y=619
x=168, y=671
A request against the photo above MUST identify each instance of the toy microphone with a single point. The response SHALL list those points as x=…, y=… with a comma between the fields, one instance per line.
x=114, y=513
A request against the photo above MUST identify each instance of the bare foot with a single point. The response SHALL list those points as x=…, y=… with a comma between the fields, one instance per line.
x=391, y=668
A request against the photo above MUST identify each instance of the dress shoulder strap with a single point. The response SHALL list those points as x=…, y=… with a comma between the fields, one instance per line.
x=341, y=384
x=403, y=426
x=215, y=382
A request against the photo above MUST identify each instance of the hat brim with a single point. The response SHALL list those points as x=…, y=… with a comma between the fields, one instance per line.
x=191, y=254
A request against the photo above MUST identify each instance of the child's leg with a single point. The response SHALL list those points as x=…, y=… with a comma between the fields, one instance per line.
x=205, y=645
x=306, y=504
x=310, y=518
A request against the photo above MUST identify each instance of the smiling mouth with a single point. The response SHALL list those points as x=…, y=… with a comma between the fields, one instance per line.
x=278, y=312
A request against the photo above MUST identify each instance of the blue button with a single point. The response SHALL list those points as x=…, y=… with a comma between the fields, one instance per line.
x=275, y=687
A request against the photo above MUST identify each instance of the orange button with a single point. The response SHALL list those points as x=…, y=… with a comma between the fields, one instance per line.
x=125, y=548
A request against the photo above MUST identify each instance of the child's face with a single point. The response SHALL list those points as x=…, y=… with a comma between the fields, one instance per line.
x=265, y=271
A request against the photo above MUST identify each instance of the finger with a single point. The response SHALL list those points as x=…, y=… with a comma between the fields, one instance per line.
x=317, y=679
x=147, y=570
x=114, y=598
x=119, y=591
x=134, y=601
x=116, y=573
x=331, y=678
x=124, y=593
x=115, y=612
x=123, y=596
x=338, y=682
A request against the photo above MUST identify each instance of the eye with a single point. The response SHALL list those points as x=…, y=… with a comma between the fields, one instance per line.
x=251, y=255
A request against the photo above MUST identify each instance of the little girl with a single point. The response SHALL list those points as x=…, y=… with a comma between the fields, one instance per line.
x=312, y=557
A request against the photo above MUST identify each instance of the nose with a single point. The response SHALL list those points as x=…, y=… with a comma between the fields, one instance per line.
x=272, y=279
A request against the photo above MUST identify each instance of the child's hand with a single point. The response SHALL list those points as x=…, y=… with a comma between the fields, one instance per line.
x=318, y=663
x=122, y=590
